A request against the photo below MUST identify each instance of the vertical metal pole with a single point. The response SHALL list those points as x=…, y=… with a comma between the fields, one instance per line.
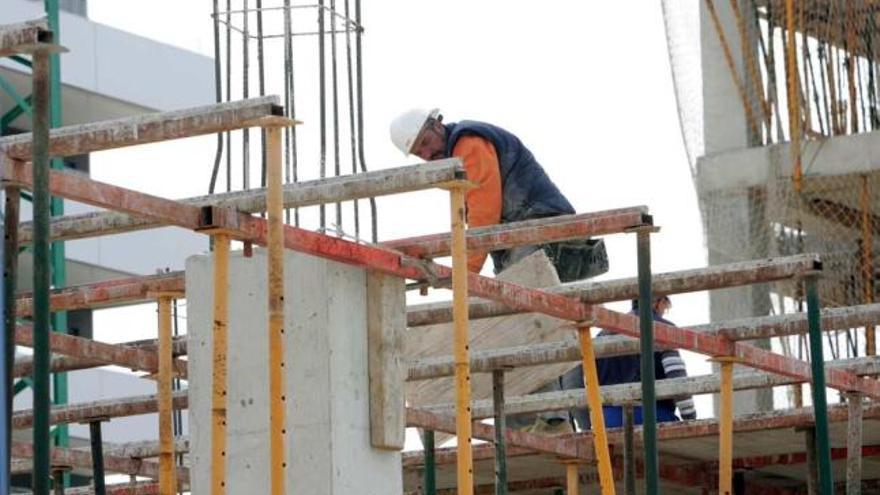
x=571, y=478
x=820, y=403
x=597, y=418
x=725, y=427
x=812, y=468
x=854, y=444
x=794, y=113
x=739, y=483
x=58, y=482
x=167, y=472
x=41, y=317
x=10, y=282
x=465, y=466
x=430, y=475
x=646, y=328
x=5, y=385
x=867, y=262
x=219, y=370
x=58, y=272
x=277, y=399
x=97, y=456
x=500, y=429
x=629, y=454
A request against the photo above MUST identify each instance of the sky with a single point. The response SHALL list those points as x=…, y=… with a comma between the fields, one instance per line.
x=586, y=86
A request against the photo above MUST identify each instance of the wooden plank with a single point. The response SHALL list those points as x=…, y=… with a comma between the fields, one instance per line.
x=669, y=388
x=386, y=325
x=485, y=361
x=523, y=329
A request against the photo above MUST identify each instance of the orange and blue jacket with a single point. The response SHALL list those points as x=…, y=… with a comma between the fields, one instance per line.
x=510, y=184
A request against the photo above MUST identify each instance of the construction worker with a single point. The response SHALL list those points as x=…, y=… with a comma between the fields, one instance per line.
x=511, y=186
x=627, y=369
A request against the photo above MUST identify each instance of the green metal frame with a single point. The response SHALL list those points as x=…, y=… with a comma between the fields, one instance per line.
x=60, y=434
x=56, y=208
x=820, y=401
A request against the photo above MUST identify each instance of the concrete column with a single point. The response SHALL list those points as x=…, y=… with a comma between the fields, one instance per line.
x=743, y=233
x=329, y=450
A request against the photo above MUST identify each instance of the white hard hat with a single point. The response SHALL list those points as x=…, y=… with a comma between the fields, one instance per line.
x=406, y=127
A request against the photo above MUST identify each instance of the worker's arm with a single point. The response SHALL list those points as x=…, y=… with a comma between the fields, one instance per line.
x=673, y=366
x=484, y=200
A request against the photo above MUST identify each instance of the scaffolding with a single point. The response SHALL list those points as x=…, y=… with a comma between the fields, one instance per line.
x=24, y=164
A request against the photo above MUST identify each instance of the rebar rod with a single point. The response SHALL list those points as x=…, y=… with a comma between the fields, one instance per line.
x=374, y=220
x=245, y=92
x=261, y=82
x=351, y=120
x=228, y=92
x=218, y=96
x=334, y=84
x=322, y=96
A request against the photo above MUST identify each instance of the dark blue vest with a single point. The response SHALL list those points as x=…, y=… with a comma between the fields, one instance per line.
x=526, y=190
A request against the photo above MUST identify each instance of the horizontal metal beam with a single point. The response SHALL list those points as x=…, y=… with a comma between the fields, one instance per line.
x=779, y=419
x=763, y=327
x=147, y=128
x=130, y=290
x=24, y=365
x=719, y=346
x=133, y=358
x=772, y=420
x=83, y=459
x=678, y=282
x=308, y=193
x=132, y=450
x=136, y=488
x=666, y=389
x=78, y=187
x=245, y=226
x=134, y=290
x=24, y=37
x=109, y=408
x=528, y=232
x=564, y=446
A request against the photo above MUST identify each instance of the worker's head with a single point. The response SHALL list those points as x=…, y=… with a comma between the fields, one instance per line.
x=661, y=305
x=421, y=133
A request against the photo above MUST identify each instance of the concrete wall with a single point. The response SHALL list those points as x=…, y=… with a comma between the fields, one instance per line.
x=329, y=450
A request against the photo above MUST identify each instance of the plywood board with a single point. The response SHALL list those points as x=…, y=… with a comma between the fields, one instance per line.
x=491, y=333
